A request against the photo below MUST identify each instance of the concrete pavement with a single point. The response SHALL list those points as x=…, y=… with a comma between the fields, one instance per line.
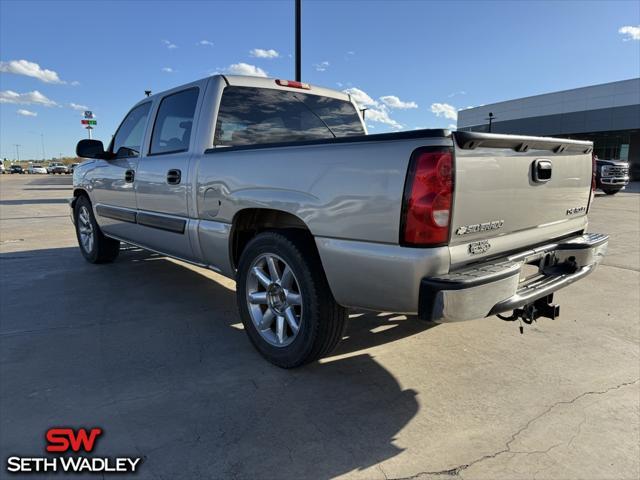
x=153, y=352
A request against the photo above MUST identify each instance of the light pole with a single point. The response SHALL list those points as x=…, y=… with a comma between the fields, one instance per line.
x=17, y=145
x=491, y=118
x=298, y=42
x=42, y=142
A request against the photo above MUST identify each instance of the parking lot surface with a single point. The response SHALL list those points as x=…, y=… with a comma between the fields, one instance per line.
x=153, y=352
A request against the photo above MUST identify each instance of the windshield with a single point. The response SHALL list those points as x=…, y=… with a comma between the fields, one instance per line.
x=249, y=116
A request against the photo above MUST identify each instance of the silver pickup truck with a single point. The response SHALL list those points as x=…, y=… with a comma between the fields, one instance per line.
x=277, y=185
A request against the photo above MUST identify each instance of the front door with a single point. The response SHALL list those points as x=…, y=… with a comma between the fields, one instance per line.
x=112, y=181
x=162, y=180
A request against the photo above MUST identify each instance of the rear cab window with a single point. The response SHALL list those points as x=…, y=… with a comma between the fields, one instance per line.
x=174, y=122
x=250, y=116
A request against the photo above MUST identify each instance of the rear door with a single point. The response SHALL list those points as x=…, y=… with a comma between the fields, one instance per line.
x=162, y=180
x=512, y=192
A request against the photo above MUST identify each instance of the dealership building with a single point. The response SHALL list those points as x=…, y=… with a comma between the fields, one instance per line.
x=607, y=114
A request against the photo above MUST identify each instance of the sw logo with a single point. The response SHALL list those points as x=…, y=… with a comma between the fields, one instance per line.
x=69, y=441
x=61, y=439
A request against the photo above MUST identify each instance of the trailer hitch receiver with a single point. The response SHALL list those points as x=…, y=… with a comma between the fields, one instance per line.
x=542, y=307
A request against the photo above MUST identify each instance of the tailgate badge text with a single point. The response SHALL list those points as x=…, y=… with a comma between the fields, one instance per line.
x=480, y=227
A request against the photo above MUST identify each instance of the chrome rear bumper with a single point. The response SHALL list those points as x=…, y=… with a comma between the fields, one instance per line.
x=498, y=287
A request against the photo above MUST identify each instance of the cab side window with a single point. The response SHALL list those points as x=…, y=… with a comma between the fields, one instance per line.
x=172, y=129
x=128, y=139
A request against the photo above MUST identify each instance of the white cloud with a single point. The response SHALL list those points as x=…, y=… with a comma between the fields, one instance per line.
x=168, y=69
x=392, y=101
x=376, y=111
x=351, y=52
x=207, y=43
x=28, y=98
x=30, y=69
x=452, y=126
x=630, y=32
x=360, y=97
x=76, y=106
x=262, y=53
x=169, y=44
x=444, y=110
x=381, y=115
x=245, y=69
x=75, y=83
x=26, y=113
x=322, y=66
x=453, y=94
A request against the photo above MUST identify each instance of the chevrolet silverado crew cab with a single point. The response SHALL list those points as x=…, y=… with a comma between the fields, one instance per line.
x=277, y=185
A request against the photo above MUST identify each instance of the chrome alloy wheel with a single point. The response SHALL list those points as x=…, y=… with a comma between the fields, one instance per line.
x=85, y=227
x=274, y=300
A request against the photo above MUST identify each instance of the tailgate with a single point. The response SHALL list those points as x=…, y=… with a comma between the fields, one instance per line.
x=516, y=191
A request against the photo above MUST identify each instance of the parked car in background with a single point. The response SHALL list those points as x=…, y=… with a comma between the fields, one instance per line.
x=276, y=184
x=60, y=168
x=611, y=175
x=2, y=169
x=37, y=169
x=16, y=169
x=72, y=167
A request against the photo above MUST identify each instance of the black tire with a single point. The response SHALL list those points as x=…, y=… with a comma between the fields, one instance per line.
x=322, y=320
x=611, y=191
x=102, y=249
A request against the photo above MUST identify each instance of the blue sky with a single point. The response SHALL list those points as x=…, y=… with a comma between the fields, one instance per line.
x=415, y=63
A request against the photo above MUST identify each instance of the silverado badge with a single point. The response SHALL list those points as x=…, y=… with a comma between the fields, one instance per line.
x=480, y=227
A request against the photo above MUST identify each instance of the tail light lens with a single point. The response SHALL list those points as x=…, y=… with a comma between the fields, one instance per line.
x=428, y=193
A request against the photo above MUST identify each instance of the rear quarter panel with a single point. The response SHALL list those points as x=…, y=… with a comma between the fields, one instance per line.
x=347, y=191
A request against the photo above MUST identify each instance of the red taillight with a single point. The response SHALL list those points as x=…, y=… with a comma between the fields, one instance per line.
x=428, y=194
x=293, y=84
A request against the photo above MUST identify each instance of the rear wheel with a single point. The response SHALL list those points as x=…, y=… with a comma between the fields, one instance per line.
x=611, y=191
x=285, y=303
x=95, y=247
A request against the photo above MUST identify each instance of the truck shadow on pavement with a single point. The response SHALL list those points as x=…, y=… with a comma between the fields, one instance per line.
x=154, y=353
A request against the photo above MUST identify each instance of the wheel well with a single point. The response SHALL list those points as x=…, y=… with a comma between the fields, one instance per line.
x=77, y=193
x=250, y=222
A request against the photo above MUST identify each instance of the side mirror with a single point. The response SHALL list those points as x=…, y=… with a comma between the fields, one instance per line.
x=90, y=149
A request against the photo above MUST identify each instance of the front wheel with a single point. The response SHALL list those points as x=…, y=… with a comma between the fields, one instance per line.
x=95, y=247
x=285, y=303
